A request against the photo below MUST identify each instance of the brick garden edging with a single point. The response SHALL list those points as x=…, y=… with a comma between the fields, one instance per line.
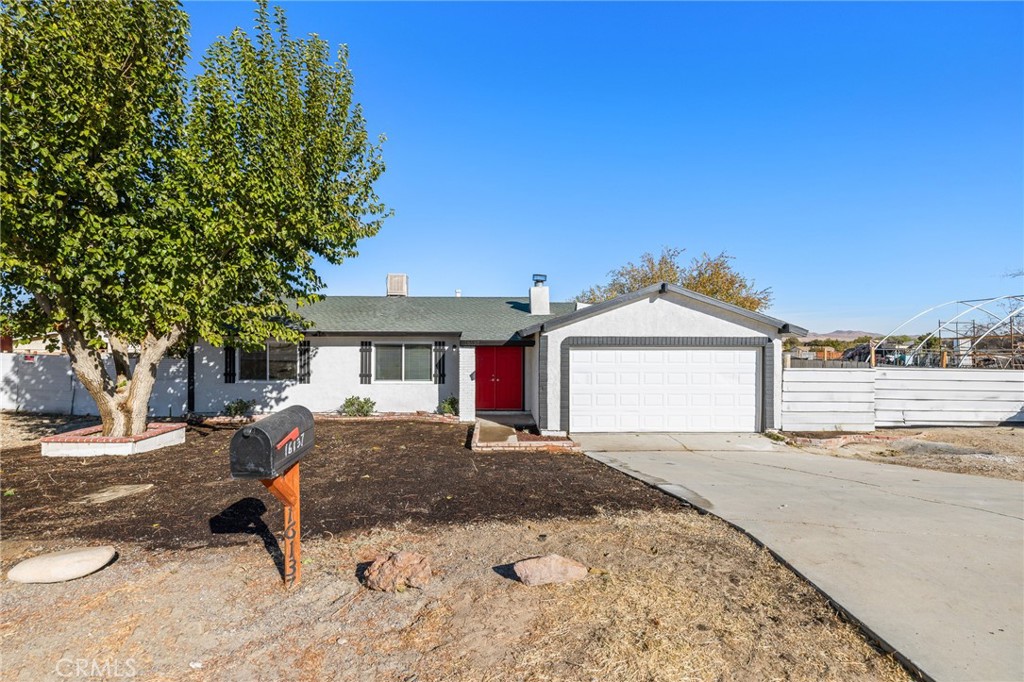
x=513, y=444
x=89, y=434
x=392, y=416
x=90, y=441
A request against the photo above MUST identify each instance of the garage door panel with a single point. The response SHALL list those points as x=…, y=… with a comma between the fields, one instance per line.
x=654, y=400
x=582, y=378
x=676, y=400
x=663, y=390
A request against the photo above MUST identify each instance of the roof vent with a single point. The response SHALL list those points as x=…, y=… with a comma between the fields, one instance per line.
x=398, y=284
x=458, y=293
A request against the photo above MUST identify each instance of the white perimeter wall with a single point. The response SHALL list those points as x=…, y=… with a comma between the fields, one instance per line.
x=862, y=399
x=908, y=396
x=828, y=399
x=48, y=385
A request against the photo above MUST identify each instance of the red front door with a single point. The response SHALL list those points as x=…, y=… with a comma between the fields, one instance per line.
x=499, y=378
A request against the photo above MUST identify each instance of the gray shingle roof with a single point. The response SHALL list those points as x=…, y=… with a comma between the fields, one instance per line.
x=480, y=319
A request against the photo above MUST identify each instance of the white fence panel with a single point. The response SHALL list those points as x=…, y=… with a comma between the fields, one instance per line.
x=914, y=396
x=46, y=384
x=828, y=399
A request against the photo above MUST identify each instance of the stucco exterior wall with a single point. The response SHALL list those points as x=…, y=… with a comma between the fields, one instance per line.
x=467, y=383
x=334, y=376
x=657, y=316
x=531, y=376
x=776, y=349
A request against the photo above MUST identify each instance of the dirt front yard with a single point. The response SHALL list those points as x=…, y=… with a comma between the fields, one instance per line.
x=996, y=451
x=195, y=593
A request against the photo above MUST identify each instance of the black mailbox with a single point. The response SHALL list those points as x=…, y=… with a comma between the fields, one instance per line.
x=269, y=447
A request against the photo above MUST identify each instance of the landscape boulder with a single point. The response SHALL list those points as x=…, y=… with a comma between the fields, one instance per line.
x=57, y=567
x=397, y=571
x=552, y=568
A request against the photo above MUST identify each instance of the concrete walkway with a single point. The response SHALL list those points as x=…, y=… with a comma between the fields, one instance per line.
x=932, y=563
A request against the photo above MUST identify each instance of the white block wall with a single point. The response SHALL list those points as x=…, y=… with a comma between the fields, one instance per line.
x=828, y=399
x=911, y=396
x=47, y=385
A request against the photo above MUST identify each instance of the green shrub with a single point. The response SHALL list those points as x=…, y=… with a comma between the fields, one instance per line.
x=449, y=405
x=354, y=406
x=238, y=408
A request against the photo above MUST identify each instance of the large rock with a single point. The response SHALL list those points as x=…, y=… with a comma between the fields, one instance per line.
x=398, y=571
x=542, y=570
x=57, y=567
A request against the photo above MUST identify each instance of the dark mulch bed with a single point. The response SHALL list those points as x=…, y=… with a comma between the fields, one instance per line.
x=360, y=475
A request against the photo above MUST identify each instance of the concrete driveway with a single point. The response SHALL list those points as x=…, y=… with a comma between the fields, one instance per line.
x=931, y=563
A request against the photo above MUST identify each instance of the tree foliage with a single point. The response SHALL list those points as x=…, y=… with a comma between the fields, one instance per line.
x=276, y=167
x=712, y=276
x=140, y=210
x=632, y=276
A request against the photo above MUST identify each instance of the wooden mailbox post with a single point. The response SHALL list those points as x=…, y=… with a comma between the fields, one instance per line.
x=269, y=451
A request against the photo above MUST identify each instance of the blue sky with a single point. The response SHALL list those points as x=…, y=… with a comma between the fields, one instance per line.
x=864, y=160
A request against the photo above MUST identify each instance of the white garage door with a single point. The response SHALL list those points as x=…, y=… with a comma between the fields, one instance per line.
x=630, y=389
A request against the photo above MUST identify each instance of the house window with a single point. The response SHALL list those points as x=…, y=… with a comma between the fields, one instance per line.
x=277, y=361
x=403, y=362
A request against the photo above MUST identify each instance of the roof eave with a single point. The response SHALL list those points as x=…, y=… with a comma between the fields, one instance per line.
x=661, y=288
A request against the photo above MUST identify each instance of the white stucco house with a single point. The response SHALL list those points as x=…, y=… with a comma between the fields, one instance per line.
x=660, y=359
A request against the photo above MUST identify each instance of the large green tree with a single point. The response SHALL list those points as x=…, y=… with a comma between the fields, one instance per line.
x=709, y=275
x=141, y=211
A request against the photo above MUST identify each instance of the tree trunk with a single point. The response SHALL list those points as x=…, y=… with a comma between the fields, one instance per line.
x=122, y=400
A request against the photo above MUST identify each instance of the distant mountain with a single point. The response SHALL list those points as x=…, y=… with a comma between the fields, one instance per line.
x=841, y=334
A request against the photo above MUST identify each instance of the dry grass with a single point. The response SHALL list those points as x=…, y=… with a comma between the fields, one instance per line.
x=712, y=608
x=676, y=596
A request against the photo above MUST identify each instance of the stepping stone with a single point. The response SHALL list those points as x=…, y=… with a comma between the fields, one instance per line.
x=58, y=567
x=114, y=492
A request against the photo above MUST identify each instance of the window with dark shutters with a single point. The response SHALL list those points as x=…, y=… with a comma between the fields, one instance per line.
x=438, y=362
x=365, y=350
x=303, y=362
x=229, y=364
